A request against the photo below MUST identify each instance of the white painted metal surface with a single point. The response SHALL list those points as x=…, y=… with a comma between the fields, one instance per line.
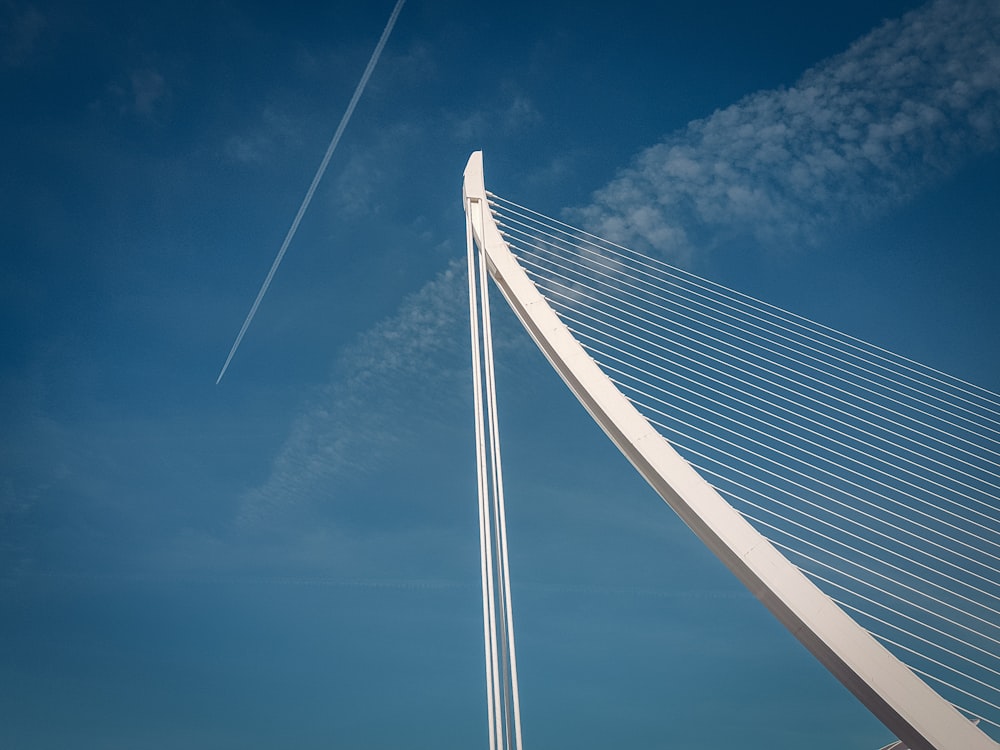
x=902, y=701
x=503, y=701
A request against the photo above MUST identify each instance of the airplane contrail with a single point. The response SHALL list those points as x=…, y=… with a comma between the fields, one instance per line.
x=319, y=175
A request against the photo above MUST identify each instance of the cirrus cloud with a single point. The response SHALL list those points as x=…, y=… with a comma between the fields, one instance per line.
x=904, y=106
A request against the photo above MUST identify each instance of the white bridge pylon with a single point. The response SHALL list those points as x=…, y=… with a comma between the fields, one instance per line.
x=502, y=699
x=909, y=708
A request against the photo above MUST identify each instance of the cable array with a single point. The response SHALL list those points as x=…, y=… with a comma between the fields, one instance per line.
x=876, y=475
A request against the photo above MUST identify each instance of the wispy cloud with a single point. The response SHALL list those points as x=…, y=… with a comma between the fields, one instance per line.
x=21, y=26
x=148, y=88
x=143, y=93
x=513, y=113
x=359, y=186
x=905, y=105
x=356, y=421
x=259, y=144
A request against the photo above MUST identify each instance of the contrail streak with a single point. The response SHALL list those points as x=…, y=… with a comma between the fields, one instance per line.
x=319, y=175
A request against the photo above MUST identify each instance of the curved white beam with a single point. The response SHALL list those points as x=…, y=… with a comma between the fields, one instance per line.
x=914, y=712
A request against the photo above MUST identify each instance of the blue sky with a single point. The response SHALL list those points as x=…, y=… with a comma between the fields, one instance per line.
x=289, y=559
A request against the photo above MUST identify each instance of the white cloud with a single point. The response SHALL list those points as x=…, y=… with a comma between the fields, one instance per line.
x=514, y=113
x=142, y=95
x=354, y=422
x=20, y=29
x=902, y=107
x=148, y=88
x=360, y=185
x=258, y=145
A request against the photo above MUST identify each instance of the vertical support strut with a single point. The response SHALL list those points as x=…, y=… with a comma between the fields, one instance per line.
x=503, y=700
